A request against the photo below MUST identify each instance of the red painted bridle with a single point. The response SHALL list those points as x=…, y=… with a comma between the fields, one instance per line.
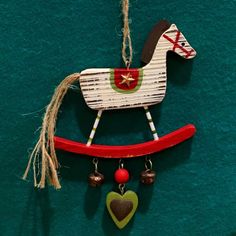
x=176, y=44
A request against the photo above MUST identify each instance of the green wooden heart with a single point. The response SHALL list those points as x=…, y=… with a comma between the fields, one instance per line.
x=122, y=207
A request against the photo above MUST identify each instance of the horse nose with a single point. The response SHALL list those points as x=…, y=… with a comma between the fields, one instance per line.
x=191, y=54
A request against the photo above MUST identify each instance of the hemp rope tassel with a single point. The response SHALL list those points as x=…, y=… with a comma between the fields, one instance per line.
x=45, y=145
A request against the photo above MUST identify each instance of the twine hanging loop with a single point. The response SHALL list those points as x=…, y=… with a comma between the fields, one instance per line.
x=127, y=42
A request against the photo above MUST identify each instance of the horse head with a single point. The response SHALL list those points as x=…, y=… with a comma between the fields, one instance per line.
x=178, y=43
x=168, y=38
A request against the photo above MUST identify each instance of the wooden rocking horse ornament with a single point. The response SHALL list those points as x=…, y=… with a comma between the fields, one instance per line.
x=106, y=89
x=111, y=89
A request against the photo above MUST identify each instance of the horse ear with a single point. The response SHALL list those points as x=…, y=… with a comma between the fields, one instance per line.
x=152, y=40
x=173, y=26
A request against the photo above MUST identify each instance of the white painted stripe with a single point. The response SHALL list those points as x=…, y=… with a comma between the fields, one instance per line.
x=155, y=136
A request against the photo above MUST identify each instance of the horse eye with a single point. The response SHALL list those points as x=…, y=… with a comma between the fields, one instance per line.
x=183, y=44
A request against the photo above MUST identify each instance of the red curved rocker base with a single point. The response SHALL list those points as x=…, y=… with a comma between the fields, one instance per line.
x=128, y=151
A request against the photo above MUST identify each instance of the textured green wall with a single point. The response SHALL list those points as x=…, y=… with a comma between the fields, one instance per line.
x=43, y=41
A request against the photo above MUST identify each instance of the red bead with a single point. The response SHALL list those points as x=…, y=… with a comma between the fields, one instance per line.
x=121, y=176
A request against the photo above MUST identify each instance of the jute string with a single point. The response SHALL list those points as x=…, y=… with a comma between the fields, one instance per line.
x=43, y=157
x=44, y=148
x=127, y=43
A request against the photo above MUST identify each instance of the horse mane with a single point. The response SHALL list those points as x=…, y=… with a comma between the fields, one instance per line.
x=152, y=40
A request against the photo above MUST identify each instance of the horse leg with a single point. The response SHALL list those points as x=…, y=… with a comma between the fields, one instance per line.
x=95, y=125
x=151, y=124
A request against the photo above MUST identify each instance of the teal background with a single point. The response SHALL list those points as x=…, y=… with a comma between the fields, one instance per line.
x=195, y=193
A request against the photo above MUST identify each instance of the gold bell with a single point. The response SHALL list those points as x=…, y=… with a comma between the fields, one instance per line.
x=95, y=179
x=147, y=177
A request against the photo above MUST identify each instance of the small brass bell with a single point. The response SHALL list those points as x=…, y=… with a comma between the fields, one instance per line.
x=147, y=177
x=95, y=179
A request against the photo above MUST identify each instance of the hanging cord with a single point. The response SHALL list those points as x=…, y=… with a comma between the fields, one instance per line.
x=127, y=43
x=45, y=145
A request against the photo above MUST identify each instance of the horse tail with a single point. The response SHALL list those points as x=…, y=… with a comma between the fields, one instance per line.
x=44, y=147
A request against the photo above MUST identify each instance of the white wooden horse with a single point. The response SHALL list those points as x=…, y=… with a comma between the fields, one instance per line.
x=106, y=88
